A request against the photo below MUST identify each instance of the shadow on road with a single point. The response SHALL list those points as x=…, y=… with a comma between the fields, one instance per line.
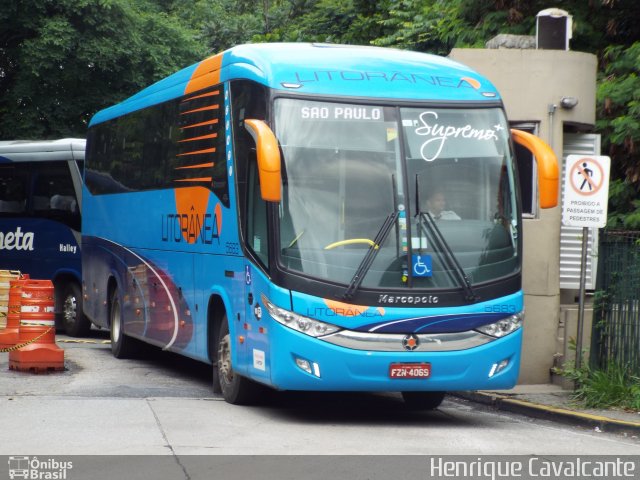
x=290, y=406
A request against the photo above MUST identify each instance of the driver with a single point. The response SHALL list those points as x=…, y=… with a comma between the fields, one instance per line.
x=436, y=204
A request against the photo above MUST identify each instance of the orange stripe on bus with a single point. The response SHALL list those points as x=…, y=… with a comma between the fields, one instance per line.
x=197, y=152
x=208, y=122
x=208, y=94
x=200, y=165
x=203, y=109
x=202, y=137
x=194, y=199
x=201, y=179
x=206, y=74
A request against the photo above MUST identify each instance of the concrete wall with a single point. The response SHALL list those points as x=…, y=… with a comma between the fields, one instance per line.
x=567, y=331
x=531, y=83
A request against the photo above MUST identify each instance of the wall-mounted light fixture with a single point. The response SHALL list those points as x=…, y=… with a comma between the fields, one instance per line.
x=568, y=102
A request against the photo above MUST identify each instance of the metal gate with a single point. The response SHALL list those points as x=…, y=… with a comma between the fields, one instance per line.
x=616, y=326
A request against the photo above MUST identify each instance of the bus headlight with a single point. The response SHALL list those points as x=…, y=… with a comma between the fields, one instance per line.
x=503, y=327
x=302, y=324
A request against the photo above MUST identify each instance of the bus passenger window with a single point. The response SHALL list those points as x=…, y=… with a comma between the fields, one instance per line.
x=54, y=195
x=56, y=189
x=13, y=198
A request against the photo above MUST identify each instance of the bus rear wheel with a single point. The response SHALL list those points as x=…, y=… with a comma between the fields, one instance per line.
x=423, y=400
x=74, y=322
x=121, y=345
x=235, y=388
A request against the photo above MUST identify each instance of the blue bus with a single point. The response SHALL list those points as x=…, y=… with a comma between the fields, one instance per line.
x=40, y=217
x=272, y=211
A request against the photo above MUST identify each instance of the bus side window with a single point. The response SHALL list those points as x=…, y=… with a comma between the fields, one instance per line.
x=54, y=195
x=257, y=215
x=248, y=100
x=13, y=193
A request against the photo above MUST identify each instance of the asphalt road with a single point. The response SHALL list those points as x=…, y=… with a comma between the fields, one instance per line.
x=162, y=404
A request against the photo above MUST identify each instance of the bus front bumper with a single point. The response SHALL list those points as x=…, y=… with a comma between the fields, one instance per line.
x=301, y=362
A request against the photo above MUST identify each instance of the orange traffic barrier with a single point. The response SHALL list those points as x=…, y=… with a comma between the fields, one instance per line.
x=9, y=334
x=37, y=350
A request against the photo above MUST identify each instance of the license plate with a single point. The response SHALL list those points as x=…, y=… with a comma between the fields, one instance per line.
x=410, y=370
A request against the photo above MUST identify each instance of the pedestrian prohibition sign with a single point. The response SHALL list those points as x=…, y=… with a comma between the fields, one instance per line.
x=586, y=191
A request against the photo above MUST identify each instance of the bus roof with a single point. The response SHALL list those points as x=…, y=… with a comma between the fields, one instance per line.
x=42, y=150
x=322, y=69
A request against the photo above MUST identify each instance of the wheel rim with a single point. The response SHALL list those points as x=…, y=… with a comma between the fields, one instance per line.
x=69, y=309
x=224, y=361
x=115, y=321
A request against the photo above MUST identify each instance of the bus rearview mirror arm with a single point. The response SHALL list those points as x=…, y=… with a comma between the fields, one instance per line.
x=269, y=160
x=547, y=163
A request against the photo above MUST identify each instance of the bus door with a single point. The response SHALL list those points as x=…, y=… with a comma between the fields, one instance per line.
x=256, y=281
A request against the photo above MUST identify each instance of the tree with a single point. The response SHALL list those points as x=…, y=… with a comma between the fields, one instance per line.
x=428, y=26
x=224, y=23
x=62, y=61
x=618, y=111
x=332, y=21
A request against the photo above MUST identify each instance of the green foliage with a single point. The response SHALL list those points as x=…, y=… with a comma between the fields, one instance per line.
x=62, y=61
x=613, y=387
x=618, y=112
x=624, y=205
x=224, y=23
x=331, y=21
x=431, y=26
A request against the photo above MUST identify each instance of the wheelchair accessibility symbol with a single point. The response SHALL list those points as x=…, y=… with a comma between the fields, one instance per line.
x=421, y=265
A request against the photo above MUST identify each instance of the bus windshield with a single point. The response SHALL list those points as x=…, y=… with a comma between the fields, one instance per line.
x=445, y=176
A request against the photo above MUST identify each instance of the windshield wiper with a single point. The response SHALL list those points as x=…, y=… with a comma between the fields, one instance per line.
x=430, y=228
x=370, y=256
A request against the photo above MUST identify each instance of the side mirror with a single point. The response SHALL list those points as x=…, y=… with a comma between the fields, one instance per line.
x=268, y=159
x=547, y=166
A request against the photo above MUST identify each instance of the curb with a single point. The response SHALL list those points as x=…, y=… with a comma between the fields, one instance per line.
x=547, y=412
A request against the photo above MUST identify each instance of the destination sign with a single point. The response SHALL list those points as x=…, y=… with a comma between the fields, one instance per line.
x=341, y=112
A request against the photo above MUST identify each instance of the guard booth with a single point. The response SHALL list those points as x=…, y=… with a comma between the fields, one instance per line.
x=551, y=92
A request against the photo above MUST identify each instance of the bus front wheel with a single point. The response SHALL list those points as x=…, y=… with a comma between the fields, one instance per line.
x=423, y=400
x=74, y=322
x=235, y=388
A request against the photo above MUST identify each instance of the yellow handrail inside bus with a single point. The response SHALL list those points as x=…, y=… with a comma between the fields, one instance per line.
x=351, y=241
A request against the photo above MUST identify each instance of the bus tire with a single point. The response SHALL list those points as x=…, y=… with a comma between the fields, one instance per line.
x=423, y=400
x=74, y=322
x=121, y=345
x=235, y=388
x=217, y=389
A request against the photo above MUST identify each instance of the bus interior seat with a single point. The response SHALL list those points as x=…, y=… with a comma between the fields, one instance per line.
x=63, y=202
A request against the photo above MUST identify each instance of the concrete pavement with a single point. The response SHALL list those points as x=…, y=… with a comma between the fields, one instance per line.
x=130, y=406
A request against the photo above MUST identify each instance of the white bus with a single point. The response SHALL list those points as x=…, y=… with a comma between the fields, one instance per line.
x=40, y=217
